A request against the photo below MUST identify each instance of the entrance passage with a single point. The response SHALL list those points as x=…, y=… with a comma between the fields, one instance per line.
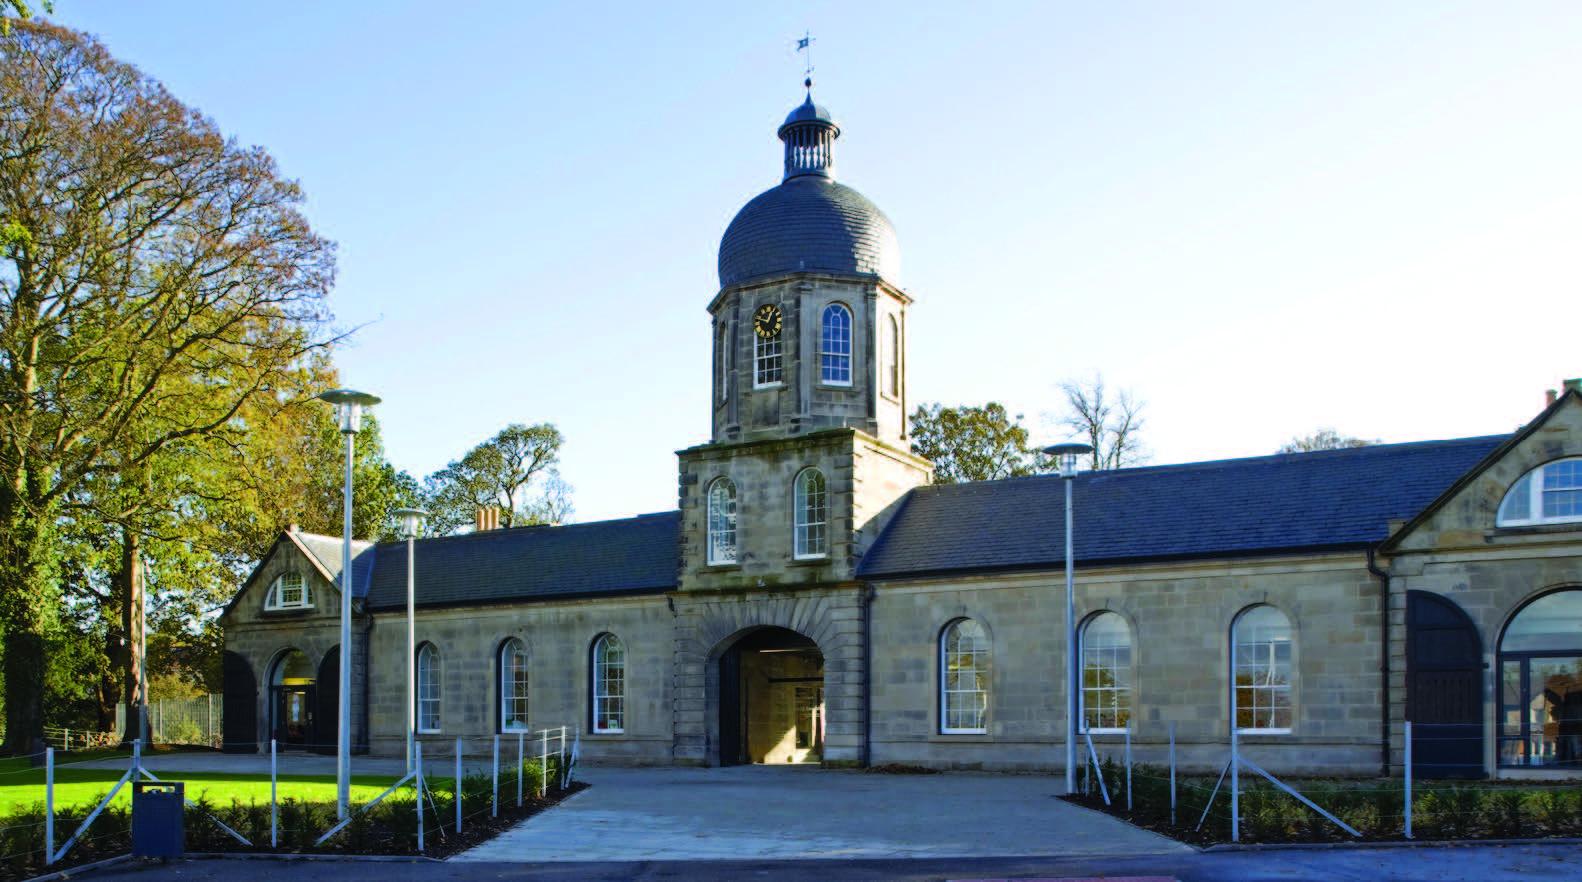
x=772, y=699
x=291, y=702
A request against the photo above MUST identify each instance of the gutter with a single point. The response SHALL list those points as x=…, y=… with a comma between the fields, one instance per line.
x=1384, y=662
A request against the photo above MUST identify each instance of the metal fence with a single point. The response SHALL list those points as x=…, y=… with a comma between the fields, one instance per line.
x=179, y=721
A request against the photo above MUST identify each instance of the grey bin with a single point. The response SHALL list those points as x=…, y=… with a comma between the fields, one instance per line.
x=158, y=819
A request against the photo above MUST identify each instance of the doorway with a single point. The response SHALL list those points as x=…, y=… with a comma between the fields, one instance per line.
x=1444, y=676
x=292, y=701
x=772, y=699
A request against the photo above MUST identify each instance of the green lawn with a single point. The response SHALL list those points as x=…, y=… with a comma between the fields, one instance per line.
x=22, y=786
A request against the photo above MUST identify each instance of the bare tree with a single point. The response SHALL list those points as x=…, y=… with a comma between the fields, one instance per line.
x=1107, y=419
x=1324, y=439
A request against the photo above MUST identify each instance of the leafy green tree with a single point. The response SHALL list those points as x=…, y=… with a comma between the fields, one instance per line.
x=1109, y=421
x=157, y=279
x=515, y=471
x=1323, y=439
x=973, y=443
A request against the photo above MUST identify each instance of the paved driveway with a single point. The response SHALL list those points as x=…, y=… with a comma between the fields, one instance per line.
x=781, y=812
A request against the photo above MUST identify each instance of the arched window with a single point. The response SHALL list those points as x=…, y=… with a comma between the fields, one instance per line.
x=892, y=357
x=835, y=346
x=1540, y=662
x=1261, y=643
x=722, y=521
x=1549, y=494
x=288, y=591
x=812, y=516
x=428, y=691
x=1106, y=674
x=722, y=362
x=609, y=684
x=964, y=678
x=513, y=686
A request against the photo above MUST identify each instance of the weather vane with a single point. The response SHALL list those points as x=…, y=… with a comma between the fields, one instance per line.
x=806, y=43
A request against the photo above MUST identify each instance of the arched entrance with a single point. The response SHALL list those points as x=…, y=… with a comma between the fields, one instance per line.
x=292, y=701
x=1444, y=688
x=771, y=683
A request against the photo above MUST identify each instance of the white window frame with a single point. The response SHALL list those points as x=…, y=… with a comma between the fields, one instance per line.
x=724, y=361
x=429, y=694
x=608, y=686
x=810, y=537
x=1263, y=650
x=514, y=691
x=768, y=360
x=977, y=665
x=1527, y=501
x=1114, y=660
x=891, y=382
x=720, y=517
x=835, y=346
x=274, y=600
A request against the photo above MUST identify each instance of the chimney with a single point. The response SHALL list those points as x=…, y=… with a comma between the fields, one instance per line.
x=1549, y=397
x=487, y=517
x=1573, y=385
x=294, y=528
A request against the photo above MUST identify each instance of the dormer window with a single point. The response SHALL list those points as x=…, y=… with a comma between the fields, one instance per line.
x=1549, y=494
x=289, y=592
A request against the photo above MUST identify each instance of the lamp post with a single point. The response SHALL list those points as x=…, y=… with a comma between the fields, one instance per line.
x=349, y=407
x=411, y=526
x=1067, y=455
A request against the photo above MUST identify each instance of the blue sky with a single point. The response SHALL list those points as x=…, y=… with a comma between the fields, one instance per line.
x=1263, y=218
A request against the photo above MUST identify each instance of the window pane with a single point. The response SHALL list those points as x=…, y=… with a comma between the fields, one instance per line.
x=722, y=522
x=428, y=690
x=1518, y=500
x=513, y=687
x=811, y=514
x=609, y=685
x=835, y=346
x=1550, y=623
x=1555, y=711
x=965, y=681
x=1106, y=673
x=1262, y=669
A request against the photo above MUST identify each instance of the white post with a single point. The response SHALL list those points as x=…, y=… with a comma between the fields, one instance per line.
x=458, y=785
x=1235, y=779
x=274, y=772
x=1071, y=651
x=49, y=806
x=411, y=654
x=494, y=811
x=1172, y=772
x=519, y=770
x=543, y=765
x=1128, y=768
x=417, y=767
x=1408, y=770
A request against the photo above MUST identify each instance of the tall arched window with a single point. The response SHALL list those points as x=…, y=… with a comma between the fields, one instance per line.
x=964, y=678
x=892, y=357
x=1540, y=661
x=513, y=686
x=428, y=688
x=722, y=521
x=1106, y=674
x=722, y=362
x=1549, y=494
x=1262, y=641
x=812, y=515
x=835, y=346
x=609, y=684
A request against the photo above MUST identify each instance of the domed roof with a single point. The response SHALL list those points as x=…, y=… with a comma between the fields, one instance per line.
x=810, y=224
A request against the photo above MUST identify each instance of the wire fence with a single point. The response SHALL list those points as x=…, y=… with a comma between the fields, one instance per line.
x=1243, y=802
x=428, y=807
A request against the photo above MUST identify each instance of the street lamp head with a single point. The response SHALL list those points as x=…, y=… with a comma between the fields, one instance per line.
x=411, y=522
x=349, y=404
x=1067, y=455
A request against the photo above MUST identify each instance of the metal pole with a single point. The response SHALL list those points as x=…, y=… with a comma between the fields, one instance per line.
x=458, y=785
x=1071, y=657
x=494, y=811
x=1172, y=772
x=519, y=770
x=417, y=759
x=1128, y=768
x=1408, y=779
x=412, y=658
x=1235, y=779
x=343, y=751
x=49, y=806
x=142, y=657
x=274, y=804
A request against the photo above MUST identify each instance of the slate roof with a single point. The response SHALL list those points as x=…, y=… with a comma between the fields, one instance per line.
x=629, y=556
x=808, y=224
x=327, y=551
x=1329, y=500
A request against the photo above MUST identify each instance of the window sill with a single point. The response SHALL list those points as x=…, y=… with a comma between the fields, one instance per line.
x=1245, y=733
x=606, y=733
x=721, y=567
x=811, y=560
x=287, y=610
x=757, y=386
x=961, y=737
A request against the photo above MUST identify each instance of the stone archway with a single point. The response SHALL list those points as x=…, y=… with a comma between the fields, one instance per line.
x=711, y=628
x=771, y=699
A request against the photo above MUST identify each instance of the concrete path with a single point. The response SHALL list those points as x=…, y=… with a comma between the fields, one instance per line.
x=789, y=812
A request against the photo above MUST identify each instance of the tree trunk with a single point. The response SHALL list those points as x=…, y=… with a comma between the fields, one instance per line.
x=25, y=664
x=129, y=585
x=24, y=610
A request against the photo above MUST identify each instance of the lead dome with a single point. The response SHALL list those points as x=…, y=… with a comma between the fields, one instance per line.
x=810, y=222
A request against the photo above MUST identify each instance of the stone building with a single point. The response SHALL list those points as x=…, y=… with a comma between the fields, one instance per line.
x=815, y=599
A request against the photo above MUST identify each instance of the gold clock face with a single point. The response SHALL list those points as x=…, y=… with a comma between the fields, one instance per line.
x=766, y=321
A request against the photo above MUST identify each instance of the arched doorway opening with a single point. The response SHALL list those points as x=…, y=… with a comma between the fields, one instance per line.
x=771, y=704
x=1444, y=688
x=292, y=701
